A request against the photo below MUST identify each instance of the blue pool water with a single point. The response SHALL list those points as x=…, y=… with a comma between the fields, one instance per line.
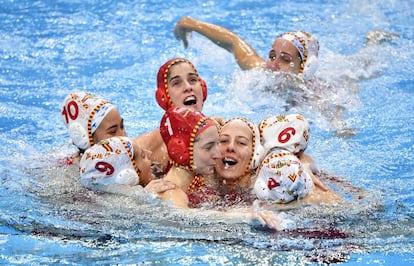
x=114, y=49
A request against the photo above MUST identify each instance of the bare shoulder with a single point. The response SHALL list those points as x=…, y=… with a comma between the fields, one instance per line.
x=177, y=196
x=150, y=140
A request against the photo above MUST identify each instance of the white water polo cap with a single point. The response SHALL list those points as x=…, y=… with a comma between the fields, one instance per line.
x=281, y=178
x=258, y=150
x=111, y=161
x=288, y=132
x=308, y=48
x=82, y=114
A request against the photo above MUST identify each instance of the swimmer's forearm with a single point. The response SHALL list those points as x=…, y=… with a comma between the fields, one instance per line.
x=266, y=218
x=217, y=34
x=245, y=55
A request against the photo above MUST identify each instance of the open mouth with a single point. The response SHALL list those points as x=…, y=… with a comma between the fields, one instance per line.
x=190, y=100
x=229, y=161
x=157, y=170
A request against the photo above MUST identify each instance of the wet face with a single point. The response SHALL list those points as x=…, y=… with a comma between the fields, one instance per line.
x=185, y=86
x=111, y=126
x=236, y=149
x=206, y=151
x=283, y=57
x=143, y=161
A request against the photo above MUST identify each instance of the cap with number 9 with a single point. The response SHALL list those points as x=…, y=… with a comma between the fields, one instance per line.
x=111, y=161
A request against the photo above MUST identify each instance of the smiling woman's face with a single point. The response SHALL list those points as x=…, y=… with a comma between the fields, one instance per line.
x=185, y=86
x=236, y=148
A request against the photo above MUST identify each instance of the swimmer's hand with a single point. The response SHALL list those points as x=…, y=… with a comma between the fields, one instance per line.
x=181, y=31
x=159, y=185
x=266, y=218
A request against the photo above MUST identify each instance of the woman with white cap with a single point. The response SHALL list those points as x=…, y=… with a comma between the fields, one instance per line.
x=91, y=119
x=252, y=164
x=285, y=175
x=295, y=52
x=293, y=61
x=115, y=161
x=241, y=153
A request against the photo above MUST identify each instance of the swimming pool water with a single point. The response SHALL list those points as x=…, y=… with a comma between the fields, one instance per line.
x=114, y=49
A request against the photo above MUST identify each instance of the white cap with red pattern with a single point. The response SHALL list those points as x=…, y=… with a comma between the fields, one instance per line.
x=82, y=113
x=281, y=178
x=308, y=49
x=287, y=132
x=111, y=161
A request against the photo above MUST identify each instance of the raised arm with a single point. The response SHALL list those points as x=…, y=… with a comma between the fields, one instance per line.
x=245, y=55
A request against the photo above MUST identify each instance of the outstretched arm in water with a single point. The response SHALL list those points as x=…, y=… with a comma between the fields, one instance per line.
x=179, y=199
x=245, y=55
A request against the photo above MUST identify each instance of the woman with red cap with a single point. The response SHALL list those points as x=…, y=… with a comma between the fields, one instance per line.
x=192, y=142
x=191, y=139
x=178, y=84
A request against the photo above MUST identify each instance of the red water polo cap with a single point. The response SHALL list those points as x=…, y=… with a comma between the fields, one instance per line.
x=179, y=127
x=162, y=95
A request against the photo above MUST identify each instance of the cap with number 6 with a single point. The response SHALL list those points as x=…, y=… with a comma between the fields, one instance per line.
x=287, y=132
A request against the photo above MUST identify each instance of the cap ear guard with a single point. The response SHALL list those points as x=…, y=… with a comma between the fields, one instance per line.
x=178, y=151
x=127, y=177
x=310, y=68
x=257, y=156
x=258, y=149
x=162, y=98
x=78, y=135
x=204, y=89
x=260, y=189
x=124, y=177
